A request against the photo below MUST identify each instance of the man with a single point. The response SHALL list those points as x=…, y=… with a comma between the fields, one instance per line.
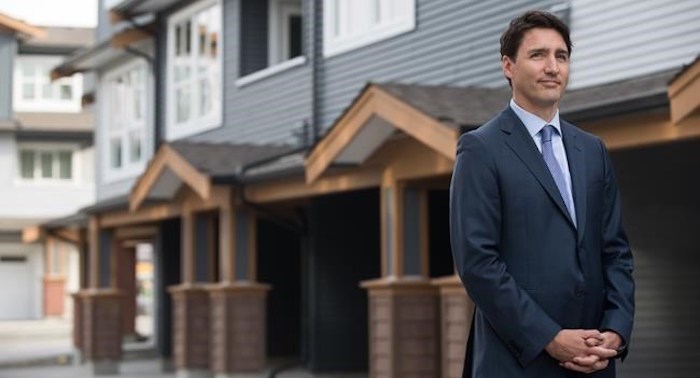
x=536, y=226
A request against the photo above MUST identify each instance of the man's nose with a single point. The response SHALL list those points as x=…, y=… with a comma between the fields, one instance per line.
x=551, y=66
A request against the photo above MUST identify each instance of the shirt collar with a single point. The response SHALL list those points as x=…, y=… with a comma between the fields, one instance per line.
x=532, y=122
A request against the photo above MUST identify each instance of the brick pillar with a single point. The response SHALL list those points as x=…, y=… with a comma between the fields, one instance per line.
x=102, y=336
x=77, y=321
x=54, y=292
x=456, y=315
x=191, y=327
x=403, y=328
x=238, y=328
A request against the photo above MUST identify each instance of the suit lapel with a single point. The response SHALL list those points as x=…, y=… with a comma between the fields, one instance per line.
x=577, y=169
x=520, y=141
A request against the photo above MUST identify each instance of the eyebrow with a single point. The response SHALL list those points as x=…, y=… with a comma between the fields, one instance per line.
x=546, y=50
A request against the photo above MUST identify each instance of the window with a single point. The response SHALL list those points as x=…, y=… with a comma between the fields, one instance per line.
x=45, y=163
x=349, y=24
x=194, y=70
x=285, y=30
x=125, y=120
x=34, y=90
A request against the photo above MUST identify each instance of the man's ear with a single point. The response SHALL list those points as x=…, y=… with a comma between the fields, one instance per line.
x=507, y=65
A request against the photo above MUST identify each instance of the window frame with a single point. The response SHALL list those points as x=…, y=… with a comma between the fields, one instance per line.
x=129, y=125
x=38, y=103
x=278, y=30
x=196, y=123
x=39, y=148
x=369, y=33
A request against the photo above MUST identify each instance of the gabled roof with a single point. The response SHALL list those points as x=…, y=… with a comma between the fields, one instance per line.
x=126, y=9
x=20, y=27
x=199, y=166
x=59, y=40
x=684, y=92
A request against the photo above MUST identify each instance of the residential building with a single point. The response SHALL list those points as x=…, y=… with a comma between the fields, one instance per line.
x=289, y=161
x=47, y=166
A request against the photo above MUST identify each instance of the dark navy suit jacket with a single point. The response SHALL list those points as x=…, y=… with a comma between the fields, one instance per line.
x=529, y=270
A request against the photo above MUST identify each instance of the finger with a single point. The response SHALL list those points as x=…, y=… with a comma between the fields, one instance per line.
x=586, y=333
x=600, y=365
x=575, y=367
x=589, y=360
x=602, y=352
x=592, y=341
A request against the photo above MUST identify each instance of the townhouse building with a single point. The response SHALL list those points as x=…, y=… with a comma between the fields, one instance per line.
x=289, y=161
x=46, y=167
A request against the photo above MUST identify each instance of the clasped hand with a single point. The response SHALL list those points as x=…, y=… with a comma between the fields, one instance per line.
x=582, y=350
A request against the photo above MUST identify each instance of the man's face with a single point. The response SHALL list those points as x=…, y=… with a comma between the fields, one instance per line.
x=540, y=71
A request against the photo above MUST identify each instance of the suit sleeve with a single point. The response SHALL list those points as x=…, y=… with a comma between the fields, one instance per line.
x=617, y=261
x=475, y=233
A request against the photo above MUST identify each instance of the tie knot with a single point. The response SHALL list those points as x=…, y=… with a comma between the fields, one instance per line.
x=547, y=131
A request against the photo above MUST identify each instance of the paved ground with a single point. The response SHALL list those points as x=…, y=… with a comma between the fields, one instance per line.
x=43, y=349
x=33, y=341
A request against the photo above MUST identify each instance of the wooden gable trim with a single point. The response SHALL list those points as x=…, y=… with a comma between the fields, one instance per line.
x=401, y=115
x=127, y=37
x=169, y=158
x=16, y=25
x=684, y=93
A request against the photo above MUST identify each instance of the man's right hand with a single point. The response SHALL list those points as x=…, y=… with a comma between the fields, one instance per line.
x=571, y=343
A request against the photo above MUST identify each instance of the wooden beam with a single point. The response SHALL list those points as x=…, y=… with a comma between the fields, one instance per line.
x=16, y=25
x=188, y=235
x=297, y=188
x=349, y=125
x=33, y=234
x=168, y=158
x=684, y=93
x=227, y=241
x=94, y=251
x=135, y=232
x=127, y=37
x=640, y=130
x=374, y=101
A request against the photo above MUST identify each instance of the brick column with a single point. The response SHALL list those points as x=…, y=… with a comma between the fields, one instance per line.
x=101, y=335
x=191, y=327
x=456, y=313
x=238, y=328
x=403, y=328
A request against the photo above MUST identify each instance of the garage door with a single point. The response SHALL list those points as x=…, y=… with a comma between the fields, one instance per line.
x=15, y=287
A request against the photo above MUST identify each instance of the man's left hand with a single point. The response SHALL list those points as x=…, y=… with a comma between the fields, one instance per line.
x=594, y=362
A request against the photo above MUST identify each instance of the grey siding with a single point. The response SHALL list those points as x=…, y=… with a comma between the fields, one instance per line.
x=270, y=110
x=454, y=43
x=620, y=39
x=8, y=48
x=104, y=26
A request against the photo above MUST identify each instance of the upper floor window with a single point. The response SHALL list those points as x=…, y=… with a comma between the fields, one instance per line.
x=194, y=69
x=271, y=38
x=125, y=120
x=46, y=163
x=34, y=91
x=349, y=24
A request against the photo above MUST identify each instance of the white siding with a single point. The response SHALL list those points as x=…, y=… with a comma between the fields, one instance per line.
x=30, y=200
x=620, y=39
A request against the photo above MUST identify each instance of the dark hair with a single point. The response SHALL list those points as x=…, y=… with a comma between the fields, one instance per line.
x=513, y=36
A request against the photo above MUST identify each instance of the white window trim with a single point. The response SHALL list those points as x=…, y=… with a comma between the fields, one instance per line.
x=39, y=104
x=195, y=125
x=76, y=165
x=128, y=169
x=270, y=71
x=333, y=46
x=275, y=52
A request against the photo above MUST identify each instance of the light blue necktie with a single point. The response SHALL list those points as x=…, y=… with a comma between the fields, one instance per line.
x=555, y=169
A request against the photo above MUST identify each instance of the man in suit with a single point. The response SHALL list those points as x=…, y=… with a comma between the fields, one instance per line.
x=536, y=227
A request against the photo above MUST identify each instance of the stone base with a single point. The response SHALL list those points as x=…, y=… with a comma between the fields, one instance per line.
x=78, y=357
x=103, y=367
x=403, y=328
x=191, y=329
x=101, y=317
x=457, y=311
x=238, y=328
x=193, y=373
